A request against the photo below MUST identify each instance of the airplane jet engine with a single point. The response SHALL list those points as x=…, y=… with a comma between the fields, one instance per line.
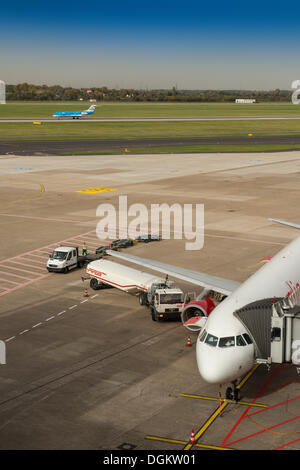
x=195, y=313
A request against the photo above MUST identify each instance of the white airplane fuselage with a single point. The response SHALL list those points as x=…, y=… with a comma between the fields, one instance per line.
x=219, y=365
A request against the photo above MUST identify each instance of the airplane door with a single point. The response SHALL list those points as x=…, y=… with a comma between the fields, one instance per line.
x=277, y=339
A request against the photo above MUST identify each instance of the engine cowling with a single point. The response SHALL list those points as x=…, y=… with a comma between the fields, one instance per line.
x=195, y=313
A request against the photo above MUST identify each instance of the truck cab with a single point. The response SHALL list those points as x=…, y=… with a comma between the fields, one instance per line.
x=168, y=304
x=62, y=259
x=165, y=299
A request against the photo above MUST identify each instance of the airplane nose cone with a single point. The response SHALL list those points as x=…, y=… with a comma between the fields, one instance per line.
x=211, y=370
x=219, y=366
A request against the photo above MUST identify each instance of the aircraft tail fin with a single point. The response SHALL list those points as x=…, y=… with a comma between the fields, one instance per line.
x=283, y=222
x=92, y=108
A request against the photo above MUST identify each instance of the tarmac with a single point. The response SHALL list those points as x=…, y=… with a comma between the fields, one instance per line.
x=97, y=372
x=61, y=147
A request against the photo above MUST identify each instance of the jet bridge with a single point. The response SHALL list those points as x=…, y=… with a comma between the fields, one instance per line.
x=274, y=325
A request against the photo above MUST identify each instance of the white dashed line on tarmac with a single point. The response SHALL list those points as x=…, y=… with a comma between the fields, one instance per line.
x=9, y=339
x=48, y=319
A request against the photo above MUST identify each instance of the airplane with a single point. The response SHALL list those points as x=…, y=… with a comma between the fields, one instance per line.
x=75, y=114
x=225, y=349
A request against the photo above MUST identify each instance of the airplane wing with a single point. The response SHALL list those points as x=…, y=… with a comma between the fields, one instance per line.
x=218, y=284
x=283, y=222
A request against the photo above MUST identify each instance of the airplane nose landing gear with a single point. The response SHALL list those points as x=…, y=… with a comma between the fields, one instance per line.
x=233, y=393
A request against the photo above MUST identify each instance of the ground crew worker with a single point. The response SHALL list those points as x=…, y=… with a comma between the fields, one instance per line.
x=84, y=249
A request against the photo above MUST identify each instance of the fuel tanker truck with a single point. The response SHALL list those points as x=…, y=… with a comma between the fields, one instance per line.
x=164, y=299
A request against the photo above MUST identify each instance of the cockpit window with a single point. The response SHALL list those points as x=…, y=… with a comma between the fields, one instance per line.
x=240, y=341
x=247, y=338
x=211, y=340
x=226, y=342
x=202, y=337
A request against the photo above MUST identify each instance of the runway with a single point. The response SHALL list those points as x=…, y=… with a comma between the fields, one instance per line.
x=59, y=147
x=155, y=119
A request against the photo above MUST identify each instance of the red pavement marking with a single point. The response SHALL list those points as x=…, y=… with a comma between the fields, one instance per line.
x=287, y=444
x=82, y=240
x=38, y=256
x=18, y=269
x=246, y=415
x=25, y=284
x=30, y=260
x=15, y=275
x=248, y=408
x=10, y=282
x=273, y=406
x=24, y=264
x=87, y=239
x=273, y=389
x=264, y=430
x=38, y=261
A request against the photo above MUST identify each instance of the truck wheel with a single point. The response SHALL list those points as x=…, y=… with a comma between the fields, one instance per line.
x=66, y=269
x=142, y=299
x=80, y=264
x=94, y=284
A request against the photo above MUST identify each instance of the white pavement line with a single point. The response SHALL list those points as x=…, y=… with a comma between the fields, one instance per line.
x=94, y=296
x=38, y=324
x=73, y=306
x=9, y=339
x=22, y=332
x=86, y=300
x=60, y=313
x=50, y=318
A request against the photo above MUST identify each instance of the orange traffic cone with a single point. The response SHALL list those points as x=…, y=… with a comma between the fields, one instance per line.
x=192, y=438
x=86, y=293
x=189, y=342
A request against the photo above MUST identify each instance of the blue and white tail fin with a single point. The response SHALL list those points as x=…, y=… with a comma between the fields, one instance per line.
x=92, y=108
x=283, y=222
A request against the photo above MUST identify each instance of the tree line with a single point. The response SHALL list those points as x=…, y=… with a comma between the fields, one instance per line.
x=30, y=92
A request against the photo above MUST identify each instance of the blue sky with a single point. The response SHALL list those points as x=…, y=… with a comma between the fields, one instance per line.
x=138, y=44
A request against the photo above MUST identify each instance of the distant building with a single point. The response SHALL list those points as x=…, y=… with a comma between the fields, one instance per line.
x=245, y=101
x=2, y=93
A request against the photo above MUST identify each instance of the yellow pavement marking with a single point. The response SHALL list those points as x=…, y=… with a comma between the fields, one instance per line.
x=186, y=395
x=164, y=439
x=207, y=424
x=42, y=190
x=175, y=441
x=242, y=383
x=219, y=410
x=96, y=190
